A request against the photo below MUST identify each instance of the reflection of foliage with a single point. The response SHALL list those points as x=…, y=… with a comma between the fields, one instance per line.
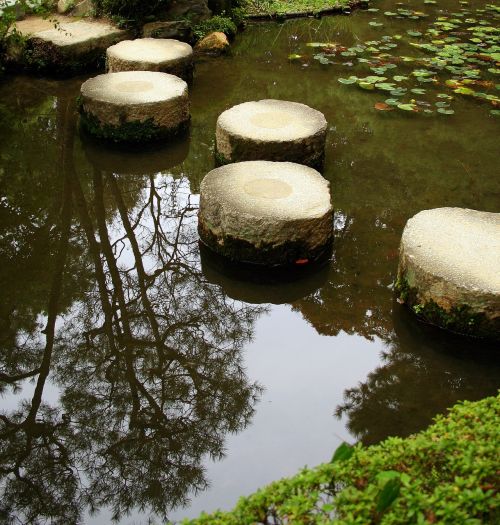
x=357, y=298
x=446, y=474
x=146, y=357
x=423, y=372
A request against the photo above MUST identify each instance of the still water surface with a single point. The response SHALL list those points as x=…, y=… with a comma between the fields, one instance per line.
x=140, y=378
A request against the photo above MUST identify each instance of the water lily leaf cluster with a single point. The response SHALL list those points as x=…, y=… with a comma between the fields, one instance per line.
x=457, y=53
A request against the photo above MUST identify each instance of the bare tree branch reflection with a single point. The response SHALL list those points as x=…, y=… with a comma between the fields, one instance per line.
x=147, y=360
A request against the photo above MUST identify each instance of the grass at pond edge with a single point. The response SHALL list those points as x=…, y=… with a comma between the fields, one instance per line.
x=447, y=474
x=272, y=8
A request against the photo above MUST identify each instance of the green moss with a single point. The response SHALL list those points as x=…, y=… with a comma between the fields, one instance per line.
x=447, y=474
x=461, y=318
x=127, y=132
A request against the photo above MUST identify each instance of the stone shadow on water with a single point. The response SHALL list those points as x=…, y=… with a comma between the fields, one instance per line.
x=144, y=352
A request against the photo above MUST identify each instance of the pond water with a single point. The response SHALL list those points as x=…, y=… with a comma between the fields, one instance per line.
x=141, y=378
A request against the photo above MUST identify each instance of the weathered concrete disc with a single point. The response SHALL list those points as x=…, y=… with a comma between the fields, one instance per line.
x=134, y=105
x=271, y=130
x=151, y=54
x=449, y=269
x=266, y=212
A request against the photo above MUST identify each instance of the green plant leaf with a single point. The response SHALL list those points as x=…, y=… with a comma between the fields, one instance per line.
x=388, y=494
x=342, y=453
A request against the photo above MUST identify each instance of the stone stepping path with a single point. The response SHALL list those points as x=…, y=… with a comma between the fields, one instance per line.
x=449, y=269
x=264, y=212
x=134, y=106
x=271, y=130
x=152, y=54
x=63, y=44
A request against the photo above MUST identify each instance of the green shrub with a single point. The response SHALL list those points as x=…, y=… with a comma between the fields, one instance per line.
x=216, y=23
x=130, y=10
x=447, y=474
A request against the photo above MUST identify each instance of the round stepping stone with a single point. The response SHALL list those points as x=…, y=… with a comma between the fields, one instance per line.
x=271, y=130
x=449, y=269
x=152, y=54
x=134, y=106
x=263, y=212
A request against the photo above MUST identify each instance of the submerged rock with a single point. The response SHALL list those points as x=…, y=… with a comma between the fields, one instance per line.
x=134, y=106
x=449, y=269
x=268, y=213
x=151, y=54
x=215, y=43
x=271, y=130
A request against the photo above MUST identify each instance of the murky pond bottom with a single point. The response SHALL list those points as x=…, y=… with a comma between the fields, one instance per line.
x=135, y=371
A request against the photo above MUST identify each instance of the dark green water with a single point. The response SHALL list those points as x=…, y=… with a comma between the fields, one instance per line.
x=134, y=372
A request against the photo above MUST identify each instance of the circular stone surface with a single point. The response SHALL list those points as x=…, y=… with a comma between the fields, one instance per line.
x=266, y=212
x=271, y=130
x=451, y=256
x=151, y=54
x=134, y=87
x=134, y=106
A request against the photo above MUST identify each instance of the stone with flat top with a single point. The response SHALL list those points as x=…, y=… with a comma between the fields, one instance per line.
x=271, y=130
x=152, y=54
x=449, y=269
x=264, y=212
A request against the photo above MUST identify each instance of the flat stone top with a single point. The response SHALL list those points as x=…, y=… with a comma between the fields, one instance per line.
x=260, y=188
x=152, y=50
x=458, y=245
x=272, y=120
x=68, y=31
x=134, y=87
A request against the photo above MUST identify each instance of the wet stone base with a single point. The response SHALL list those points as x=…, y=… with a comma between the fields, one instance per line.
x=315, y=160
x=291, y=253
x=135, y=132
x=460, y=319
x=39, y=56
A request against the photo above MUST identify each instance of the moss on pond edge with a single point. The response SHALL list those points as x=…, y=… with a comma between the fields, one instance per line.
x=446, y=474
x=460, y=319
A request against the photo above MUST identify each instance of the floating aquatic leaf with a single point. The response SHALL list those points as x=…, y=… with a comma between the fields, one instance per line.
x=375, y=24
x=444, y=95
x=382, y=106
x=350, y=80
x=464, y=91
x=294, y=56
x=399, y=78
x=495, y=112
x=441, y=104
x=384, y=86
x=366, y=85
x=317, y=44
x=418, y=91
x=444, y=111
x=392, y=101
x=407, y=107
x=414, y=33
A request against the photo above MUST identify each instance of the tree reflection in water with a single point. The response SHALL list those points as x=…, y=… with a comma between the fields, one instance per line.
x=147, y=355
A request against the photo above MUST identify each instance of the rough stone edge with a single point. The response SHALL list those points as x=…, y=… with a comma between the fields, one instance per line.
x=137, y=132
x=271, y=255
x=334, y=10
x=316, y=162
x=460, y=318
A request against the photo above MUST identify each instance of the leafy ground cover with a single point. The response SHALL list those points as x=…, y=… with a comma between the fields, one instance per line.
x=423, y=70
x=447, y=474
x=283, y=7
